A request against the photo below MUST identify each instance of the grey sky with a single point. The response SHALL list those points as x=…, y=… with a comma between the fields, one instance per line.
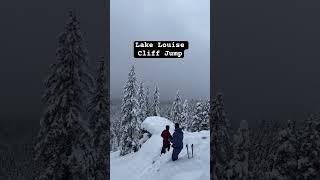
x=162, y=20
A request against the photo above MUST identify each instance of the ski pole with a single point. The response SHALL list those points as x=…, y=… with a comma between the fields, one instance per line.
x=192, y=149
x=187, y=151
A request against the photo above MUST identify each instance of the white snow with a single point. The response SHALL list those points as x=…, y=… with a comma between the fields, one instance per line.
x=156, y=124
x=147, y=164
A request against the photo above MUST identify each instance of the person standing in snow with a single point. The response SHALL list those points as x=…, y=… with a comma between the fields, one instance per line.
x=177, y=142
x=166, y=140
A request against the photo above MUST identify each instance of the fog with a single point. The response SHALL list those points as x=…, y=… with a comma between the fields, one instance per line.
x=161, y=20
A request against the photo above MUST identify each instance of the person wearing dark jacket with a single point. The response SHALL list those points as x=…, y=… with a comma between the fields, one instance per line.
x=166, y=140
x=177, y=142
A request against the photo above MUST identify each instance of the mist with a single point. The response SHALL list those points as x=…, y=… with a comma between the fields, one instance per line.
x=161, y=20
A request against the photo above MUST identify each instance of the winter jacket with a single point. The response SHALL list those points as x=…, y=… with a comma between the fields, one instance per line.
x=177, y=138
x=166, y=136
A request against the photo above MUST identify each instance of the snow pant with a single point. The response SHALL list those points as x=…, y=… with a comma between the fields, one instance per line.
x=164, y=147
x=175, y=153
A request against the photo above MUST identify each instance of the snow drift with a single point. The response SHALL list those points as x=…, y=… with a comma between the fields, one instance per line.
x=147, y=163
x=155, y=124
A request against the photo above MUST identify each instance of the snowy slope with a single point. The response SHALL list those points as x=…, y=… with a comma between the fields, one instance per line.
x=147, y=164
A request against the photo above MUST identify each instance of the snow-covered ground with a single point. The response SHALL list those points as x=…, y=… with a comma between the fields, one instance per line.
x=146, y=164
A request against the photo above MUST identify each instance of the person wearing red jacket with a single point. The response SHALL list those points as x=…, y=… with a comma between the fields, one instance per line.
x=166, y=140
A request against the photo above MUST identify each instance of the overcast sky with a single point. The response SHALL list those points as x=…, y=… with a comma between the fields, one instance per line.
x=162, y=20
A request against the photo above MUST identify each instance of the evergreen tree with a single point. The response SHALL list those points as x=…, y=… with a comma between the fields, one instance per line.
x=220, y=138
x=115, y=133
x=156, y=102
x=263, y=147
x=200, y=118
x=206, y=115
x=167, y=112
x=63, y=147
x=115, y=123
x=176, y=109
x=285, y=162
x=100, y=126
x=185, y=116
x=129, y=122
x=309, y=154
x=147, y=102
x=197, y=118
x=113, y=141
x=142, y=115
x=238, y=168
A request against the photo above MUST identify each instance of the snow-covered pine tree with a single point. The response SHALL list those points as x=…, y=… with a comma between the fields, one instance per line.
x=129, y=139
x=148, y=104
x=197, y=118
x=63, y=147
x=167, y=111
x=221, y=148
x=176, y=109
x=238, y=167
x=118, y=133
x=112, y=141
x=206, y=114
x=285, y=162
x=309, y=152
x=142, y=115
x=99, y=121
x=82, y=158
x=115, y=123
x=115, y=133
x=155, y=106
x=200, y=118
x=185, y=116
x=263, y=145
